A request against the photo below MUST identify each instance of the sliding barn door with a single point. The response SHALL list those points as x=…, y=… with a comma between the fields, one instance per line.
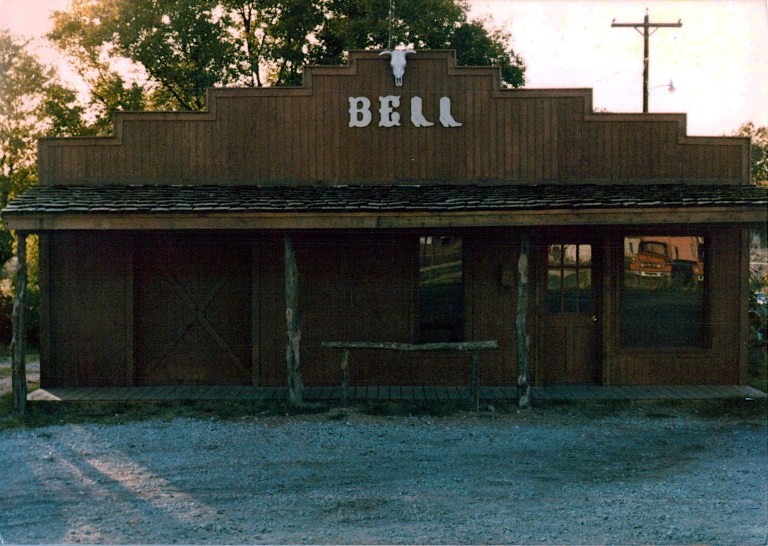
x=192, y=301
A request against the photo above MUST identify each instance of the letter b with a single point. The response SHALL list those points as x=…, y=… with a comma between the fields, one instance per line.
x=359, y=112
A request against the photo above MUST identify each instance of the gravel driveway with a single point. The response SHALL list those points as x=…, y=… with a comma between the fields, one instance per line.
x=550, y=476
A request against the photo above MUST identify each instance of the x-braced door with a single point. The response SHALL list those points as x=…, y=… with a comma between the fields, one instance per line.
x=192, y=312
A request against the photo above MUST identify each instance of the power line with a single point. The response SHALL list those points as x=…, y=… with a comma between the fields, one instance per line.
x=646, y=25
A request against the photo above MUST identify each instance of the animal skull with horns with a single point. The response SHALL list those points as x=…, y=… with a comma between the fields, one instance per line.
x=398, y=63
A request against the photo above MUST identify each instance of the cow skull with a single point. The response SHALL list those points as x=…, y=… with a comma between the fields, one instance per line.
x=398, y=63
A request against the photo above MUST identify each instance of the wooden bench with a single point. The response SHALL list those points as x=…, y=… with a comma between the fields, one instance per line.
x=473, y=347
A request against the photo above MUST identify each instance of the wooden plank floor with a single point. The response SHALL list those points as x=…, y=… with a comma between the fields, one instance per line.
x=555, y=392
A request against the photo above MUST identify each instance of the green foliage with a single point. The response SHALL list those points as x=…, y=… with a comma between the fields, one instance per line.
x=184, y=45
x=759, y=152
x=6, y=327
x=176, y=49
x=33, y=103
x=421, y=24
x=32, y=310
x=22, y=78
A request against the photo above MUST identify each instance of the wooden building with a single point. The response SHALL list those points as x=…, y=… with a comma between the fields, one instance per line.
x=408, y=208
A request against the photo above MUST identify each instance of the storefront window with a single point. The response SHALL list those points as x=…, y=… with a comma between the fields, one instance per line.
x=663, y=291
x=440, y=289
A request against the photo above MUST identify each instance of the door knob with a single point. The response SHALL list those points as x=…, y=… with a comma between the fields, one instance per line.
x=593, y=318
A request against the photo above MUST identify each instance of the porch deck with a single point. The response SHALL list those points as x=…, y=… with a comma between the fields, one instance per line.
x=401, y=393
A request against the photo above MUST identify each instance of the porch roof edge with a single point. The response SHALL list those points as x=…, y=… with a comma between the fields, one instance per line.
x=351, y=207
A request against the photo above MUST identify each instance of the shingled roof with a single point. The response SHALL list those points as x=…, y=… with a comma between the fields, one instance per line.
x=164, y=200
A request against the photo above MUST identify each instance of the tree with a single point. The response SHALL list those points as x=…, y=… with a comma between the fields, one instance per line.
x=422, y=24
x=33, y=103
x=178, y=48
x=759, y=152
x=97, y=66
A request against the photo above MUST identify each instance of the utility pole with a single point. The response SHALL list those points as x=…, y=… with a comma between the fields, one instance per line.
x=646, y=25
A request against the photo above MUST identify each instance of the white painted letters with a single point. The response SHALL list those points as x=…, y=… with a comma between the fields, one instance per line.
x=388, y=116
x=445, y=113
x=360, y=112
x=417, y=118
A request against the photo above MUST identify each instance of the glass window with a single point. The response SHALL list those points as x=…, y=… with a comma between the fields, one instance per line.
x=569, y=279
x=440, y=289
x=663, y=291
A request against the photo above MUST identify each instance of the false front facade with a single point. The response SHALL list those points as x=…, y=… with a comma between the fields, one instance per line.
x=594, y=248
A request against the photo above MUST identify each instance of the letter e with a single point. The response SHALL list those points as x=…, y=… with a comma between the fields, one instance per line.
x=389, y=118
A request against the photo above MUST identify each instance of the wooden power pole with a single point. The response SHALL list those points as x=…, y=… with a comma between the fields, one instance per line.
x=646, y=27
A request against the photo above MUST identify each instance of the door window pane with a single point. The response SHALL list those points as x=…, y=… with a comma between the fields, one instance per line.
x=440, y=289
x=569, y=279
x=663, y=291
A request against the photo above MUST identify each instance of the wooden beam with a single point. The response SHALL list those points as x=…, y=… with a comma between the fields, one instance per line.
x=130, y=318
x=18, y=367
x=476, y=379
x=45, y=280
x=521, y=324
x=345, y=377
x=293, y=329
x=255, y=315
x=746, y=237
x=397, y=346
x=363, y=220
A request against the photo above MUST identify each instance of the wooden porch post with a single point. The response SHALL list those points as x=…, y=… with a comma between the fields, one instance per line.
x=18, y=368
x=521, y=322
x=293, y=329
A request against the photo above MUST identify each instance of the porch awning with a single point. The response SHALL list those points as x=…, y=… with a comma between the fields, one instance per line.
x=141, y=207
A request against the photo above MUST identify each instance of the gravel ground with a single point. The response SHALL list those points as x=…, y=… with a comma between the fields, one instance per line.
x=549, y=476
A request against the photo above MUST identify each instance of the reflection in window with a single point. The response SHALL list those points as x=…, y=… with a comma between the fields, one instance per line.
x=440, y=289
x=663, y=292
x=569, y=279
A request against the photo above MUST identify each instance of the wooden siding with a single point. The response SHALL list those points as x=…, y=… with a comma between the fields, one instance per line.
x=302, y=136
x=362, y=287
x=84, y=319
x=490, y=269
x=169, y=308
x=109, y=309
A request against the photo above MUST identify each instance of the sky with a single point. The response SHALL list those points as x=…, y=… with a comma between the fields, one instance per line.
x=717, y=61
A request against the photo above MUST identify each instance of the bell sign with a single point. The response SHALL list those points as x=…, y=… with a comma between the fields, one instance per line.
x=360, y=114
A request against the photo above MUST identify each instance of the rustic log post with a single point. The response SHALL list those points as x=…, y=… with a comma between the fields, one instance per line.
x=476, y=379
x=521, y=322
x=18, y=367
x=344, y=377
x=293, y=329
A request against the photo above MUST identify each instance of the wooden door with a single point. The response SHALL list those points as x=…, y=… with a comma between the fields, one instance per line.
x=570, y=321
x=192, y=302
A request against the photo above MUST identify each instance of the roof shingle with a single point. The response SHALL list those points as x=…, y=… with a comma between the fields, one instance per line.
x=186, y=199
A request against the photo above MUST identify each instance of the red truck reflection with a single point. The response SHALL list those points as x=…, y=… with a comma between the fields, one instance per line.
x=672, y=261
